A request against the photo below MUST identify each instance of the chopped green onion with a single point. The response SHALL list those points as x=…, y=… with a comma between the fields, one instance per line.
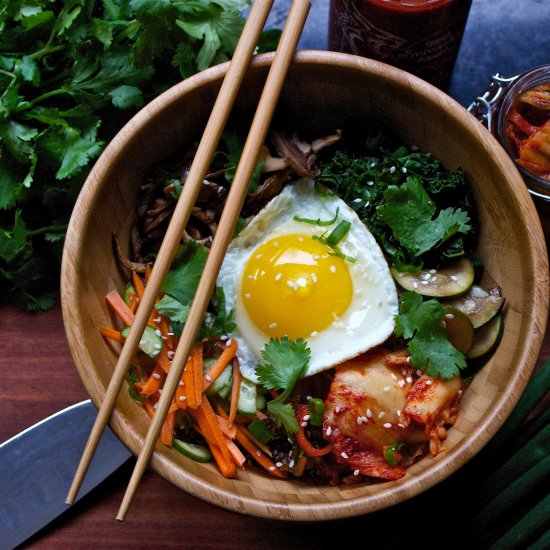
x=318, y=221
x=336, y=252
x=134, y=394
x=316, y=409
x=389, y=453
x=338, y=233
x=260, y=431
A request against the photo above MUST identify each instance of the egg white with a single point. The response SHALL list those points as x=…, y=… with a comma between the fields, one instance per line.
x=368, y=321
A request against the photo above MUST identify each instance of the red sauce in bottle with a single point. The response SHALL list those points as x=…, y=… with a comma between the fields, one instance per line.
x=419, y=36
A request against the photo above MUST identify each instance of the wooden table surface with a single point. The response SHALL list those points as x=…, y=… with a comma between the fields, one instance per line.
x=34, y=385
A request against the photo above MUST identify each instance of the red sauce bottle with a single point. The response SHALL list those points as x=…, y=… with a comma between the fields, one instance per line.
x=419, y=36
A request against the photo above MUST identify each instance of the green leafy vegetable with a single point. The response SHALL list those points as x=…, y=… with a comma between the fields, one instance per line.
x=420, y=323
x=287, y=362
x=72, y=73
x=409, y=212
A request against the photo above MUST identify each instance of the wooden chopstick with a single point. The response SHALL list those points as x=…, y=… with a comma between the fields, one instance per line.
x=201, y=163
x=256, y=137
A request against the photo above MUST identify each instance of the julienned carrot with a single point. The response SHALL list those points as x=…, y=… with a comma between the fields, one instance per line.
x=229, y=431
x=163, y=359
x=181, y=395
x=139, y=287
x=208, y=417
x=235, y=390
x=219, y=366
x=196, y=356
x=228, y=469
x=112, y=334
x=238, y=458
x=118, y=305
x=256, y=454
x=147, y=272
x=189, y=382
x=149, y=405
x=167, y=432
x=153, y=383
x=254, y=448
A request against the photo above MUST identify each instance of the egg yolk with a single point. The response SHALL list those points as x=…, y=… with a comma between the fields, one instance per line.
x=293, y=286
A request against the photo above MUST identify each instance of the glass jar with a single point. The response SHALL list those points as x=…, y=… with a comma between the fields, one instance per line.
x=493, y=107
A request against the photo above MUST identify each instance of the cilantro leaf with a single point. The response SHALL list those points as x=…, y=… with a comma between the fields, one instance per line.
x=409, y=212
x=284, y=415
x=183, y=277
x=420, y=323
x=172, y=308
x=287, y=362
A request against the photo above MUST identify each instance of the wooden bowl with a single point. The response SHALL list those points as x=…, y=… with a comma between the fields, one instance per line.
x=324, y=91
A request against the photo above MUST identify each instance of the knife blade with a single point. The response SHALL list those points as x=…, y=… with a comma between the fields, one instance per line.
x=37, y=467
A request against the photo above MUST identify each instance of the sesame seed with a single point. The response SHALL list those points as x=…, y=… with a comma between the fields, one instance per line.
x=290, y=440
x=258, y=256
x=314, y=277
x=208, y=378
x=278, y=464
x=404, y=170
x=300, y=239
x=344, y=455
x=387, y=425
x=275, y=243
x=403, y=371
x=454, y=278
x=273, y=325
x=180, y=383
x=369, y=413
x=387, y=388
x=306, y=417
x=415, y=285
x=157, y=346
x=272, y=468
x=291, y=464
x=247, y=295
x=419, y=372
x=170, y=354
x=356, y=472
x=432, y=271
x=314, y=333
x=329, y=430
x=370, y=183
x=401, y=425
x=332, y=269
x=425, y=282
x=401, y=383
x=278, y=276
x=258, y=453
x=392, y=169
x=428, y=382
x=182, y=398
x=304, y=424
x=290, y=284
x=224, y=337
x=393, y=376
x=158, y=332
x=337, y=409
x=156, y=376
x=156, y=319
x=170, y=334
x=316, y=257
x=449, y=316
x=409, y=379
x=359, y=420
x=365, y=419
x=443, y=324
x=398, y=412
x=381, y=414
x=250, y=277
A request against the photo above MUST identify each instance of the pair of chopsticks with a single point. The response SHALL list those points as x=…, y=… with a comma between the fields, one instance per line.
x=203, y=158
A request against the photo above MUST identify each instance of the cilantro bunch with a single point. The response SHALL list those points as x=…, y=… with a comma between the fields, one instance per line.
x=72, y=72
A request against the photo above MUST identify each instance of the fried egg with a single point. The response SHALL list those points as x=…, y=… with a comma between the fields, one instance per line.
x=281, y=279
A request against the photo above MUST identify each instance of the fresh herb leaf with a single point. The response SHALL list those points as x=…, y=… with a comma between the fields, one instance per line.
x=409, y=212
x=183, y=277
x=287, y=361
x=172, y=308
x=420, y=323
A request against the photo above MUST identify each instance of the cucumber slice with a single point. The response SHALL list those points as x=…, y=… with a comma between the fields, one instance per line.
x=198, y=453
x=222, y=385
x=129, y=290
x=487, y=337
x=459, y=329
x=247, y=398
x=150, y=343
x=479, y=305
x=442, y=283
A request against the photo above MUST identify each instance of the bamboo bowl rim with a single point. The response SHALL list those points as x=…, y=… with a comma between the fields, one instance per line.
x=409, y=486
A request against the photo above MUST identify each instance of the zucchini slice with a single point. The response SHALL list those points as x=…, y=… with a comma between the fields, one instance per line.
x=478, y=304
x=445, y=282
x=487, y=337
x=459, y=329
x=198, y=453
